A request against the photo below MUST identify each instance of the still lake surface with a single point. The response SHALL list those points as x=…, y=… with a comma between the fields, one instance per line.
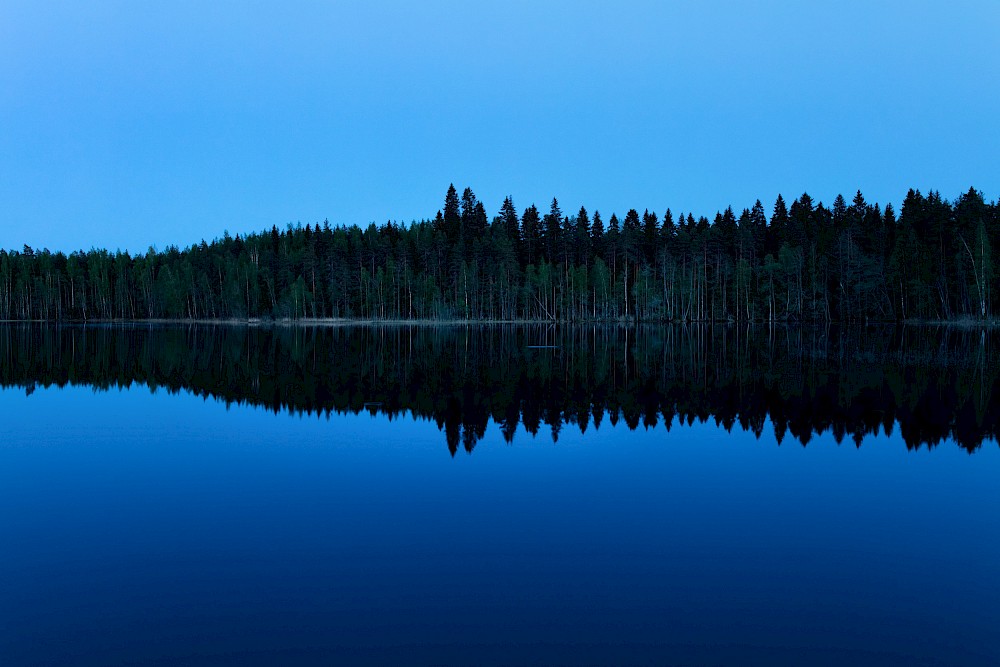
x=499, y=495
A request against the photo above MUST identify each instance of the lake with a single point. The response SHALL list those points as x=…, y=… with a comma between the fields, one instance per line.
x=499, y=495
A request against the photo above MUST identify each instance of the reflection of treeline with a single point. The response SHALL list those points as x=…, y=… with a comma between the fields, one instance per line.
x=802, y=261
x=931, y=383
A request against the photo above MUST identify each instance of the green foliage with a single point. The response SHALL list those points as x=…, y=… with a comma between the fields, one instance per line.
x=849, y=262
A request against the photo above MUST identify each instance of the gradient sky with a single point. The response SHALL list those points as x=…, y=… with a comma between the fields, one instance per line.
x=130, y=124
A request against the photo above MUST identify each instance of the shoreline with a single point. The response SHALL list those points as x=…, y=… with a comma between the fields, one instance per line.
x=457, y=322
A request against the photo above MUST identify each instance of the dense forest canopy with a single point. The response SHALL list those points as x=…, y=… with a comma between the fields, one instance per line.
x=803, y=261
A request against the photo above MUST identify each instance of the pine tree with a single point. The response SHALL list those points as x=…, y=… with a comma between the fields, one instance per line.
x=777, y=231
x=552, y=230
x=509, y=219
x=452, y=218
x=582, y=243
x=597, y=240
x=530, y=235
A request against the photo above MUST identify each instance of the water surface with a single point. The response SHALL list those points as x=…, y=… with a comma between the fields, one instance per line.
x=498, y=495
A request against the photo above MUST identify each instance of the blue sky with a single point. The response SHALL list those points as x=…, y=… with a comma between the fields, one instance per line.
x=130, y=124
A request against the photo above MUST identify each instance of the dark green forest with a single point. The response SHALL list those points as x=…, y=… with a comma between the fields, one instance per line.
x=802, y=261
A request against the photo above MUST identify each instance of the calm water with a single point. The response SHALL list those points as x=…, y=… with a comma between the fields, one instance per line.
x=499, y=495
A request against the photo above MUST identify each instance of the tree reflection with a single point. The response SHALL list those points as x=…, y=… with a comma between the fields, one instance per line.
x=934, y=384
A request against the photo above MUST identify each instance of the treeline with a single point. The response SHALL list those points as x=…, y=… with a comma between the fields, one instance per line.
x=804, y=262
x=929, y=384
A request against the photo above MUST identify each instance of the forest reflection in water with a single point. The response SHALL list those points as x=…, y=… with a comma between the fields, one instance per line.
x=932, y=383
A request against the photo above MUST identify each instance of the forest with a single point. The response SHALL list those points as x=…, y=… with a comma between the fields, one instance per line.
x=804, y=262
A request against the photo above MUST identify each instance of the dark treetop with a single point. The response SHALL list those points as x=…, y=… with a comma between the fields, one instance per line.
x=930, y=383
x=806, y=261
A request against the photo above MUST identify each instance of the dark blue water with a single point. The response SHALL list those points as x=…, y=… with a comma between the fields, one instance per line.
x=142, y=527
